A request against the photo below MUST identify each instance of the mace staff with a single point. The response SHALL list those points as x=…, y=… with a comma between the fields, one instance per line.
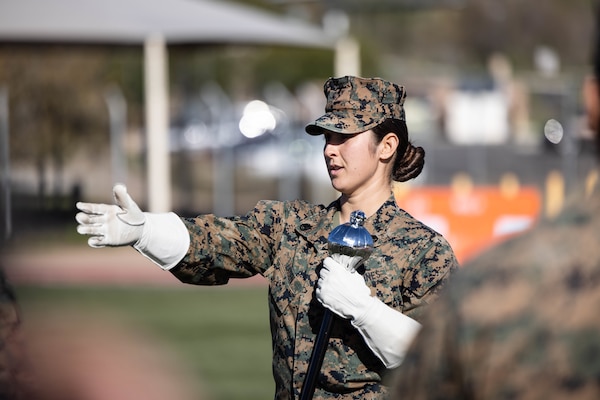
x=350, y=240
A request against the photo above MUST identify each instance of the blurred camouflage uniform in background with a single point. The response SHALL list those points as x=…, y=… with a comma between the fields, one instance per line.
x=520, y=322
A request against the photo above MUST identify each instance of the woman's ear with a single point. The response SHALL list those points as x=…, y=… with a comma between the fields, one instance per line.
x=388, y=146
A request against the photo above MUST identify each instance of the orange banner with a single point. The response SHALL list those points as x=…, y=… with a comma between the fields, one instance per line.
x=475, y=218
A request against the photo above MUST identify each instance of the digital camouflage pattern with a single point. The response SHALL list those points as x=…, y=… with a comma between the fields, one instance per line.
x=356, y=105
x=286, y=242
x=520, y=322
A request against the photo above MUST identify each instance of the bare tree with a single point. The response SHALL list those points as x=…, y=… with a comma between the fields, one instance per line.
x=55, y=98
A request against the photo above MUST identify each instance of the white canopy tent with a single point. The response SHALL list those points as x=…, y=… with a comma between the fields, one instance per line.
x=154, y=24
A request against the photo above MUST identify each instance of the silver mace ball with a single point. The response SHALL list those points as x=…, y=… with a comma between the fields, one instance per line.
x=351, y=239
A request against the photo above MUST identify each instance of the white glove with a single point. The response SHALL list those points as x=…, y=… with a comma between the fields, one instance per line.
x=387, y=332
x=341, y=289
x=119, y=224
x=163, y=238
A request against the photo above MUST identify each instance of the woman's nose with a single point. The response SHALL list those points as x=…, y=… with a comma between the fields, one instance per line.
x=329, y=149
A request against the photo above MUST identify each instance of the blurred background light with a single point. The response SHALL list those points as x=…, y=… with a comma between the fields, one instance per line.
x=257, y=119
x=553, y=131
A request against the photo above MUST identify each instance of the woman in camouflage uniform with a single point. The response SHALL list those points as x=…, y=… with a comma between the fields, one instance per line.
x=366, y=148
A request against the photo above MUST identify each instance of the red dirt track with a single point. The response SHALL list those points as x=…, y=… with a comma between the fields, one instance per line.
x=83, y=265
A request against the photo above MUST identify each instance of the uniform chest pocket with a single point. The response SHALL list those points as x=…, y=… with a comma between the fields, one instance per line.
x=385, y=280
x=293, y=277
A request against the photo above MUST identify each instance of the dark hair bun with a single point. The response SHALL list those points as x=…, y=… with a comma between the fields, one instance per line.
x=411, y=165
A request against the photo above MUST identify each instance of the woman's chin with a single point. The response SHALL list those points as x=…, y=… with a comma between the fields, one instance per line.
x=337, y=186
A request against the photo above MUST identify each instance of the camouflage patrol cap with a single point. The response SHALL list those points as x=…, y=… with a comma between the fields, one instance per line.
x=356, y=105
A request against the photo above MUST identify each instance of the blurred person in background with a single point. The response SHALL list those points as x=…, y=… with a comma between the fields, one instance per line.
x=522, y=320
x=12, y=371
x=366, y=148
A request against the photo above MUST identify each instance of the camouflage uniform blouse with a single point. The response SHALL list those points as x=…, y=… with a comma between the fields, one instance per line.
x=522, y=321
x=286, y=242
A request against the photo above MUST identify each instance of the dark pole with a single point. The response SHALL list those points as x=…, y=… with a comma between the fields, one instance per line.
x=349, y=239
x=317, y=356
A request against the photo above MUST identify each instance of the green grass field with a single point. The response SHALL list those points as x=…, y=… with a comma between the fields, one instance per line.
x=221, y=334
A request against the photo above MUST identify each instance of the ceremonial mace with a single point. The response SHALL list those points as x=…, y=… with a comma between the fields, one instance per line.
x=349, y=239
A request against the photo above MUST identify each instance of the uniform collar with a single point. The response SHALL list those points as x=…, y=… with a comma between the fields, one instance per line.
x=378, y=224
